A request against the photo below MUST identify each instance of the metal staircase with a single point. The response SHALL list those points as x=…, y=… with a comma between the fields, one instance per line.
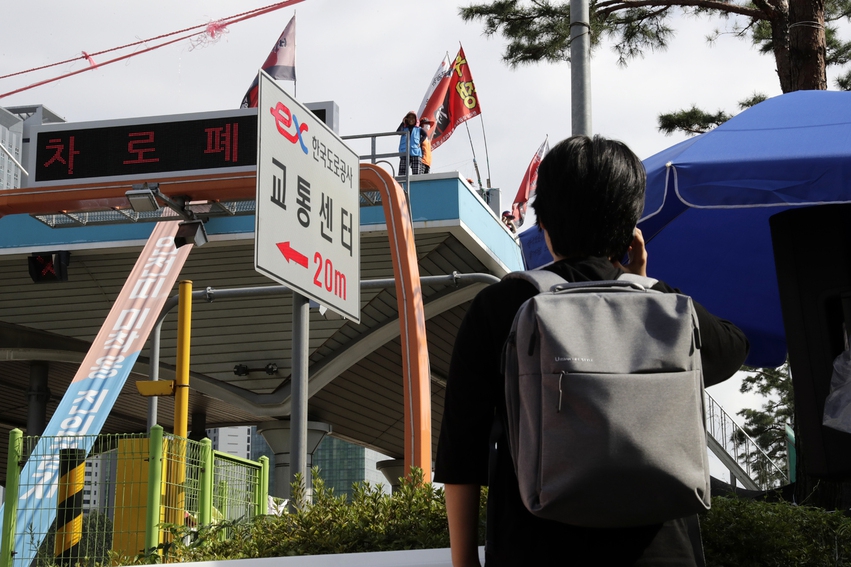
x=747, y=463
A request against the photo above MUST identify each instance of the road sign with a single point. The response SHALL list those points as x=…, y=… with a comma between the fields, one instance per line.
x=307, y=232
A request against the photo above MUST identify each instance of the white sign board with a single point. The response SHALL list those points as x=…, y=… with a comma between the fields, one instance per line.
x=307, y=232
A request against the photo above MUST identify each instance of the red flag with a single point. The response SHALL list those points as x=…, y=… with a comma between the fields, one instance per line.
x=280, y=64
x=528, y=185
x=453, y=102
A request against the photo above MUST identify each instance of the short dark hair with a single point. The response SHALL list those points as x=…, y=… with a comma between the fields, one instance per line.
x=589, y=196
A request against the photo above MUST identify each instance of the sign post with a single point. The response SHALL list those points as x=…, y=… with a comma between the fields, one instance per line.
x=307, y=231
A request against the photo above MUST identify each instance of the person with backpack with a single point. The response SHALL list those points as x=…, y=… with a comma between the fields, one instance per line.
x=590, y=195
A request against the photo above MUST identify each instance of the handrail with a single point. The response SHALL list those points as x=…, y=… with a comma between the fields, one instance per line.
x=236, y=459
x=761, y=473
x=372, y=155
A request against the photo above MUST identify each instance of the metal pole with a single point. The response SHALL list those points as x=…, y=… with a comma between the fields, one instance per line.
x=37, y=397
x=580, y=68
x=487, y=157
x=408, y=168
x=205, y=496
x=176, y=465
x=10, y=510
x=475, y=163
x=154, y=372
x=298, y=415
x=155, y=480
x=181, y=382
x=264, y=485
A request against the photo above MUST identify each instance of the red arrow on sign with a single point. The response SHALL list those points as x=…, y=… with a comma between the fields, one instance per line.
x=291, y=254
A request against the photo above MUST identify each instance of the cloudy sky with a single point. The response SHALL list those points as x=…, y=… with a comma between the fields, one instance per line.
x=375, y=59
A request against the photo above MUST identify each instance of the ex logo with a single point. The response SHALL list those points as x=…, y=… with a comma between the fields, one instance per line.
x=284, y=120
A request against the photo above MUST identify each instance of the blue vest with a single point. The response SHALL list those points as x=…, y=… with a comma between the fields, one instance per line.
x=416, y=150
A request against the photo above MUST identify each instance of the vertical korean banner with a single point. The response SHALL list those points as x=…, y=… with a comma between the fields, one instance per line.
x=458, y=103
x=83, y=410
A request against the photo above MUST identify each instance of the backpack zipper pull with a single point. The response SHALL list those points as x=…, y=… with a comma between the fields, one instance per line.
x=560, y=392
x=532, y=341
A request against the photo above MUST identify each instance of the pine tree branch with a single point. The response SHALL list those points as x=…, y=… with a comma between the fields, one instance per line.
x=771, y=7
x=610, y=6
x=644, y=15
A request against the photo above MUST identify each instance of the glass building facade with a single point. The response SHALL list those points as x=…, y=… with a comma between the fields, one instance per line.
x=341, y=464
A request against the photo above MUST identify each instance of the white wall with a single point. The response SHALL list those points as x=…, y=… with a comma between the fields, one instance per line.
x=417, y=558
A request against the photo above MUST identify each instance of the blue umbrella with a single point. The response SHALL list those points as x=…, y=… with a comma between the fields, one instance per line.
x=709, y=199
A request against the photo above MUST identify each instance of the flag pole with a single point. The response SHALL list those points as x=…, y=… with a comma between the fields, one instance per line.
x=475, y=163
x=487, y=156
x=295, y=76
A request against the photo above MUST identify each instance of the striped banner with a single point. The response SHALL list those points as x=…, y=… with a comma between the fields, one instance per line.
x=100, y=378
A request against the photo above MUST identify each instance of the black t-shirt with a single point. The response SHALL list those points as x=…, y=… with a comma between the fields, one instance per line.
x=475, y=391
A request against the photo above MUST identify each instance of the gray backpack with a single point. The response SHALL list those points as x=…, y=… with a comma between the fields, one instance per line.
x=604, y=401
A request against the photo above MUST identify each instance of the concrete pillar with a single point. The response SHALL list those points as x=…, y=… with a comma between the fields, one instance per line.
x=277, y=435
x=37, y=397
x=393, y=470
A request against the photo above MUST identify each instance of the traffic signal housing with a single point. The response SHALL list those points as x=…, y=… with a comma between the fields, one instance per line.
x=46, y=267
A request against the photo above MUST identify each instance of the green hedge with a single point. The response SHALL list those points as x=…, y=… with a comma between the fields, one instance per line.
x=736, y=532
x=413, y=517
x=750, y=533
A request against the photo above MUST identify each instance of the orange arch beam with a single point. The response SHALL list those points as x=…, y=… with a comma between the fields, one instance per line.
x=235, y=186
x=409, y=297
x=221, y=186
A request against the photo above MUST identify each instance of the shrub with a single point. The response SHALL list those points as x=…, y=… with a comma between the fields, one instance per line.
x=737, y=532
x=413, y=517
x=751, y=533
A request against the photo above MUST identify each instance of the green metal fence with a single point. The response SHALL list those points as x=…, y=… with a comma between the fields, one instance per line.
x=118, y=502
x=240, y=489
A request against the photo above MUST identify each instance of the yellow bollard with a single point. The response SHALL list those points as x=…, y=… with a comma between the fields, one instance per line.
x=69, y=506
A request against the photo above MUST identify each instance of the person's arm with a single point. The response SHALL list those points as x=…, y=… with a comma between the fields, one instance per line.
x=462, y=511
x=724, y=346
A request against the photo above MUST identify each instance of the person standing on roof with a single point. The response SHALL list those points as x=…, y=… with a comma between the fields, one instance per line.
x=425, y=126
x=409, y=124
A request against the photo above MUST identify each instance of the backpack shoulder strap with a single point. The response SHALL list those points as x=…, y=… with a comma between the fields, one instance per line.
x=543, y=280
x=643, y=281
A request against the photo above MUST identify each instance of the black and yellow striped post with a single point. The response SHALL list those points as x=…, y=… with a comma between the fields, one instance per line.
x=69, y=506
